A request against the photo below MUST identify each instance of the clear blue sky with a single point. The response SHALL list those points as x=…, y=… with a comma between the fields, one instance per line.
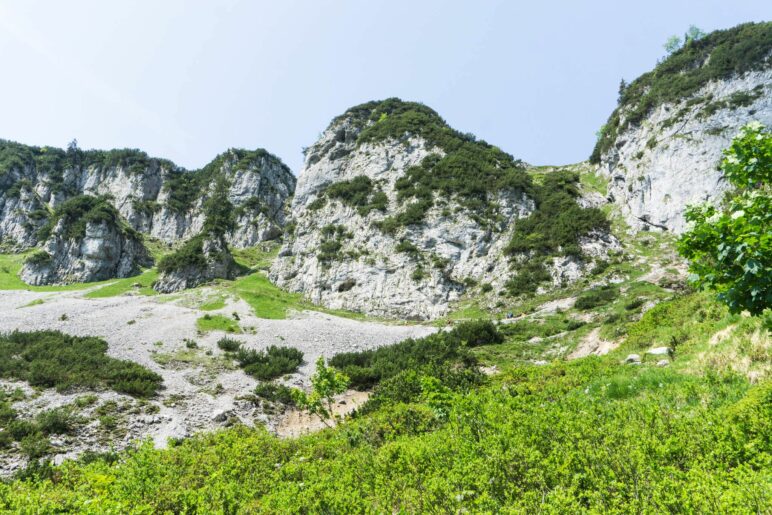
x=187, y=79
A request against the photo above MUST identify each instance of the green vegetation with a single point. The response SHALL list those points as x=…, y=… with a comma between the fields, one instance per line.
x=326, y=383
x=275, y=393
x=189, y=255
x=554, y=228
x=77, y=212
x=444, y=355
x=142, y=284
x=270, y=363
x=730, y=248
x=719, y=55
x=471, y=171
x=217, y=323
x=359, y=192
x=598, y=296
x=558, y=221
x=186, y=187
x=54, y=359
x=591, y=435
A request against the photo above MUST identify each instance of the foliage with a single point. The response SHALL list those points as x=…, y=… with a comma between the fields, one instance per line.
x=77, y=212
x=326, y=383
x=270, y=363
x=228, y=344
x=478, y=332
x=434, y=355
x=585, y=436
x=469, y=170
x=189, y=255
x=730, y=248
x=54, y=359
x=719, y=55
x=277, y=393
x=594, y=297
x=558, y=221
x=359, y=192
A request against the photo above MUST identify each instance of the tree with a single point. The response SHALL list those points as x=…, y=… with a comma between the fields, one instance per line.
x=622, y=89
x=672, y=44
x=326, y=383
x=730, y=247
x=218, y=210
x=693, y=34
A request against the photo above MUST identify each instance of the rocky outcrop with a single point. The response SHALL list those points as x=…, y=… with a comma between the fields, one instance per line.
x=671, y=159
x=662, y=146
x=104, y=251
x=352, y=248
x=153, y=195
x=211, y=260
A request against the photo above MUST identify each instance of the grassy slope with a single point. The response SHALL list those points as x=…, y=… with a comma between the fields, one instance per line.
x=589, y=435
x=267, y=300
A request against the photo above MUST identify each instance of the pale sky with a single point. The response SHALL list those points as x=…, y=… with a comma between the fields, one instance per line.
x=185, y=80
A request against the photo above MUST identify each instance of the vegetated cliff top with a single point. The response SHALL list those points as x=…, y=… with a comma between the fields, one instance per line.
x=720, y=55
x=470, y=170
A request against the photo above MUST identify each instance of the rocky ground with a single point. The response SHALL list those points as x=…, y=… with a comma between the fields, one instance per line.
x=203, y=389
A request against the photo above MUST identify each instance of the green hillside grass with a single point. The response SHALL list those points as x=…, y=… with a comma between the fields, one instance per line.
x=592, y=435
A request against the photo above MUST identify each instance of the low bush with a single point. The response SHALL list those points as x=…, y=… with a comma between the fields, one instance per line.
x=599, y=296
x=431, y=354
x=478, y=332
x=270, y=363
x=228, y=344
x=277, y=393
x=54, y=359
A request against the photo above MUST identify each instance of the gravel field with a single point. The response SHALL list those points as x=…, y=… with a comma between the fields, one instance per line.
x=199, y=394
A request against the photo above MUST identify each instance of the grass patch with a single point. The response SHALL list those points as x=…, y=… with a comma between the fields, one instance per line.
x=120, y=286
x=217, y=323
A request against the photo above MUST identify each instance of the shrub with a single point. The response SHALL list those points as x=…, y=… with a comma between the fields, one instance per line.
x=599, y=296
x=718, y=56
x=431, y=354
x=478, y=332
x=228, y=344
x=54, y=359
x=277, y=393
x=270, y=363
x=190, y=254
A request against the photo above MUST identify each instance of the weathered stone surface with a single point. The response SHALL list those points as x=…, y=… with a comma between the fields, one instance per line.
x=258, y=190
x=656, y=169
x=104, y=252
x=368, y=273
x=219, y=264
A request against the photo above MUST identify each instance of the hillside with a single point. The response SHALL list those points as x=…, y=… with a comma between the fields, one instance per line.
x=421, y=323
x=397, y=214
x=662, y=144
x=152, y=197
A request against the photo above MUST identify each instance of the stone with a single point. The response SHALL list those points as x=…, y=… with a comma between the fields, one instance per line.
x=369, y=274
x=660, y=351
x=632, y=359
x=654, y=184
x=663, y=363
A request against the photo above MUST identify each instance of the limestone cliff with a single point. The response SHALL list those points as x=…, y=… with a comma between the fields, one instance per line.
x=153, y=195
x=86, y=242
x=396, y=214
x=662, y=145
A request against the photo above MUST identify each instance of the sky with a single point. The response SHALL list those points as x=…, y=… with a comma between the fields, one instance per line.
x=185, y=80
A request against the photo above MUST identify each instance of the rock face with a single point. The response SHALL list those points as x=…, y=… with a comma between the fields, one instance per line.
x=671, y=159
x=217, y=263
x=153, y=195
x=105, y=251
x=341, y=253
